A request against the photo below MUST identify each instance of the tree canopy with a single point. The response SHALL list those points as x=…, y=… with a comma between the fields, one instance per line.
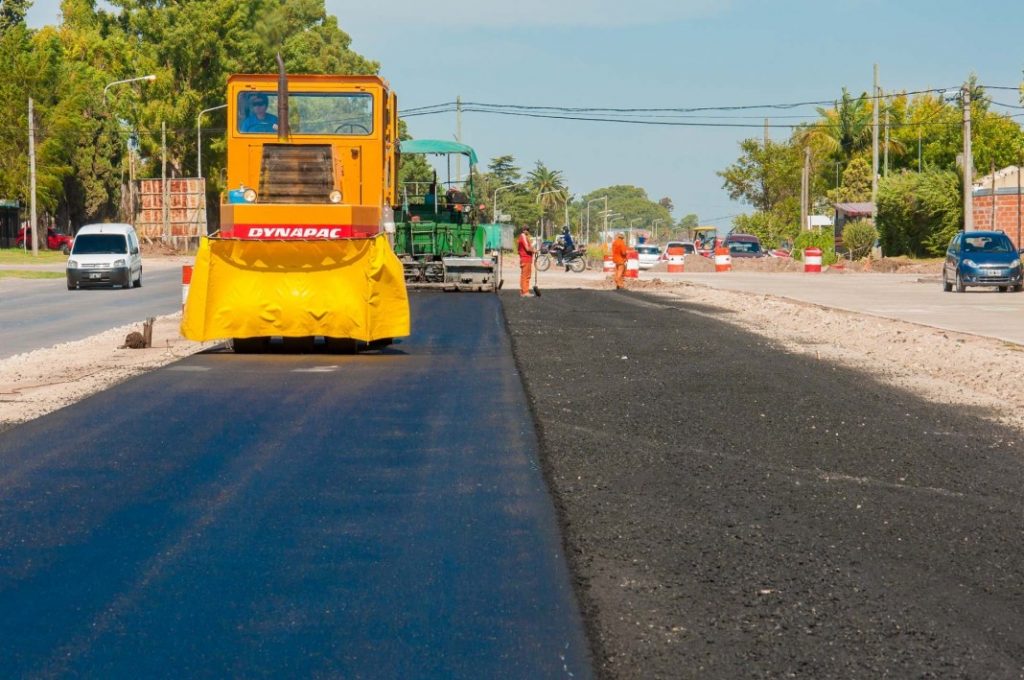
x=925, y=137
x=85, y=125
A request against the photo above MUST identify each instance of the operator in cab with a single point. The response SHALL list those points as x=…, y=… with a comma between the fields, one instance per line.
x=258, y=119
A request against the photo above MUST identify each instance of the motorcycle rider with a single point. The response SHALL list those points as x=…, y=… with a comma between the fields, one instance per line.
x=566, y=246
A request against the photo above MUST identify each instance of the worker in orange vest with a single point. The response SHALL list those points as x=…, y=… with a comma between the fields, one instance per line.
x=619, y=255
x=525, y=262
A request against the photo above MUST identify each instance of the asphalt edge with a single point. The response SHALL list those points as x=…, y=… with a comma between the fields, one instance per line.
x=587, y=606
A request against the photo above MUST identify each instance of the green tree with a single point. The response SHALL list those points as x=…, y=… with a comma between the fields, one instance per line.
x=918, y=213
x=632, y=205
x=549, y=187
x=766, y=176
x=12, y=13
x=843, y=130
x=856, y=184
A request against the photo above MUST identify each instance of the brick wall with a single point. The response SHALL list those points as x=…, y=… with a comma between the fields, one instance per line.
x=1009, y=207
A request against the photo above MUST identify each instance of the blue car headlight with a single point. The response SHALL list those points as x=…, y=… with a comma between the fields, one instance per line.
x=969, y=263
x=1015, y=264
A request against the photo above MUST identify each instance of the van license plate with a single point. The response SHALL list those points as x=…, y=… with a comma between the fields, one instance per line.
x=94, y=276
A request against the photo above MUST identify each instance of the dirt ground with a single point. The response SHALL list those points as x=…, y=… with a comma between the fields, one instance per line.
x=935, y=364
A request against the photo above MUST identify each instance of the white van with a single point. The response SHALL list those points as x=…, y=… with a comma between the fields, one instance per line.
x=105, y=255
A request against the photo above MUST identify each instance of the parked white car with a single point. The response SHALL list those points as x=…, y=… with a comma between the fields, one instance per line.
x=649, y=255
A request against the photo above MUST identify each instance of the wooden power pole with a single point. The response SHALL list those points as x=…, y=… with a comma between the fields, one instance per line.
x=874, y=149
x=968, y=162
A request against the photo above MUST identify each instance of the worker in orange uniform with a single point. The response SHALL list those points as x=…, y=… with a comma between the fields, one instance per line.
x=525, y=262
x=619, y=255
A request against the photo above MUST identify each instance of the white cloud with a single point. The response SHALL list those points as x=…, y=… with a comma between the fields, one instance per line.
x=456, y=14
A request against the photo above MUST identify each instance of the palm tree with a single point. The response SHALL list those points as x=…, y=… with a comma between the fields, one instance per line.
x=845, y=129
x=549, y=186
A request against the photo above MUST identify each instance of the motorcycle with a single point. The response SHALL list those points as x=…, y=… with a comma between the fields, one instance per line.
x=574, y=260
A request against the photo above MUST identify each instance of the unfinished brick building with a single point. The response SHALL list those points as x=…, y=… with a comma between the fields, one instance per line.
x=1005, y=187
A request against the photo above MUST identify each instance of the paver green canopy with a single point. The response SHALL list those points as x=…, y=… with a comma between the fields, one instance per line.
x=438, y=146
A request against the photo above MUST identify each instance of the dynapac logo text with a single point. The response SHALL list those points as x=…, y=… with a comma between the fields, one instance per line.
x=295, y=232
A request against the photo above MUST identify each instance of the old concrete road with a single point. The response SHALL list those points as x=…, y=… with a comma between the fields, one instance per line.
x=380, y=515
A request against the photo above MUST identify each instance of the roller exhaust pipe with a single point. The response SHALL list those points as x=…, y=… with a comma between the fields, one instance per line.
x=282, y=101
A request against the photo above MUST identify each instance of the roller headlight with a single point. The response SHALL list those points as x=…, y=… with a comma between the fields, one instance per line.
x=334, y=196
x=249, y=195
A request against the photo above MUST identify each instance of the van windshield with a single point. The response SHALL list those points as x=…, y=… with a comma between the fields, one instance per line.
x=100, y=244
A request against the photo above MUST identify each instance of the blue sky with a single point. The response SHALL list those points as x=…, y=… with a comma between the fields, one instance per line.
x=661, y=53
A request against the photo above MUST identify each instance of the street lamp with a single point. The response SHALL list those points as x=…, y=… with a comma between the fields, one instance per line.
x=150, y=78
x=631, y=236
x=128, y=142
x=199, y=138
x=602, y=198
x=496, y=200
x=655, y=224
x=609, y=218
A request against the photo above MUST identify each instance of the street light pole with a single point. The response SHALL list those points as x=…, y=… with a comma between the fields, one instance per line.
x=199, y=138
x=150, y=78
x=495, y=204
x=632, y=237
x=595, y=200
x=146, y=78
x=655, y=223
x=605, y=216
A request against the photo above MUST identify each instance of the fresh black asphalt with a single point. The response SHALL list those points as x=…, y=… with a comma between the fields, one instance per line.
x=369, y=516
x=732, y=510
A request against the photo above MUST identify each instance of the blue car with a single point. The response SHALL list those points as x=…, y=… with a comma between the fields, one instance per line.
x=981, y=258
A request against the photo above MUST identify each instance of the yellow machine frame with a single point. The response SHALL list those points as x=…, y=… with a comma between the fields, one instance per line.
x=320, y=267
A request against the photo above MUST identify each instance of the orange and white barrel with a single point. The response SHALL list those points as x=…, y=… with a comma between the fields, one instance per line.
x=676, y=260
x=186, y=281
x=609, y=265
x=723, y=260
x=632, y=264
x=812, y=260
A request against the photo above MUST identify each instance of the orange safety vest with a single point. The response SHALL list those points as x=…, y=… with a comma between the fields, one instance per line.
x=619, y=251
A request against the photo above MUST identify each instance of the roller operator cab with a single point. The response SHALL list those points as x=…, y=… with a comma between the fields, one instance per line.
x=305, y=243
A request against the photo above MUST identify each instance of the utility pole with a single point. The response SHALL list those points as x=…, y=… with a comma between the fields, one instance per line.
x=805, y=190
x=165, y=194
x=885, y=172
x=32, y=178
x=874, y=150
x=766, y=139
x=919, y=150
x=992, y=169
x=605, y=217
x=968, y=161
x=458, y=137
